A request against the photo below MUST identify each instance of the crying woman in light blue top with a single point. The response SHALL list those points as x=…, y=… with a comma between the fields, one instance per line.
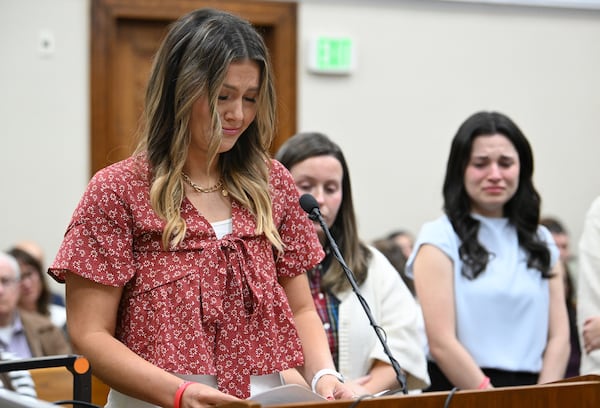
x=485, y=272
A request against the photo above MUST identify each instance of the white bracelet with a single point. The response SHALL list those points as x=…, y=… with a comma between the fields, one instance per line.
x=321, y=373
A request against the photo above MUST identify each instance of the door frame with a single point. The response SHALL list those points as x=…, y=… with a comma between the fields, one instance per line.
x=278, y=17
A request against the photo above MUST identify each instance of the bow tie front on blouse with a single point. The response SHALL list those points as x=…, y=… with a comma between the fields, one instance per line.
x=230, y=298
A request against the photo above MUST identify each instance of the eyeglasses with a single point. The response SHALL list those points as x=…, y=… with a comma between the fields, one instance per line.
x=28, y=274
x=8, y=282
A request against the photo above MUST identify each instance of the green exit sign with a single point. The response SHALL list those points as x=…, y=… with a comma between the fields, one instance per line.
x=332, y=55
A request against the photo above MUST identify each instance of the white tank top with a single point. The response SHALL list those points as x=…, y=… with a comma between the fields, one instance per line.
x=222, y=228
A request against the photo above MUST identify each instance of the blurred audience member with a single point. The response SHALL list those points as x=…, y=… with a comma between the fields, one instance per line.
x=588, y=295
x=561, y=238
x=32, y=248
x=405, y=240
x=25, y=334
x=18, y=381
x=35, y=294
x=392, y=251
x=395, y=254
x=35, y=250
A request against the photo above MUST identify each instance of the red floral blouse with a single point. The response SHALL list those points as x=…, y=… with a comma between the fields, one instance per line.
x=209, y=306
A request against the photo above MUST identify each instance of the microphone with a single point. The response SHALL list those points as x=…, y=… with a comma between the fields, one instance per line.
x=310, y=205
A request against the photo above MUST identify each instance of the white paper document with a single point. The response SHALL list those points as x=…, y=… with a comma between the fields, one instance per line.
x=286, y=394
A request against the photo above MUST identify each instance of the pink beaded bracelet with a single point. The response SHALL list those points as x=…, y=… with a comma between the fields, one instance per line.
x=484, y=383
x=179, y=393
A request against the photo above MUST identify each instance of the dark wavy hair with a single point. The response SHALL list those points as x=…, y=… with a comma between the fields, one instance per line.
x=303, y=146
x=522, y=210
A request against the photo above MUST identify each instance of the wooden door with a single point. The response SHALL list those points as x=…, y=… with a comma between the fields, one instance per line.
x=125, y=34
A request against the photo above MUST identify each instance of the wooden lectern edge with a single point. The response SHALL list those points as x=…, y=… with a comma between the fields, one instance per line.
x=581, y=378
x=569, y=383
x=252, y=404
x=321, y=404
x=240, y=404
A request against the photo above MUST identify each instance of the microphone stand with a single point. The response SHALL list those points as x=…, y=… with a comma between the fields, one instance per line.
x=315, y=214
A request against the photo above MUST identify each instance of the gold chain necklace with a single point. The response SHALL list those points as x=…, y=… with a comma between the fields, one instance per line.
x=199, y=189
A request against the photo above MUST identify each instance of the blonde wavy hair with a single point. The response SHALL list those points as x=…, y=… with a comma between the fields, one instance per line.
x=191, y=62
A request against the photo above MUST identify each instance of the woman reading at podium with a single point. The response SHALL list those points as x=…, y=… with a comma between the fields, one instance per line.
x=185, y=263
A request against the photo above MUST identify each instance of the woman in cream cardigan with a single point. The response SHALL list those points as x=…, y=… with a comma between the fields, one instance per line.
x=318, y=167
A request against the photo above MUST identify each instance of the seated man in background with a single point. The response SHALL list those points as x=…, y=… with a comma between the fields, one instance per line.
x=19, y=381
x=25, y=334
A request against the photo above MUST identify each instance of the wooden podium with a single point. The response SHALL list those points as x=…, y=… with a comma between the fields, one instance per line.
x=574, y=392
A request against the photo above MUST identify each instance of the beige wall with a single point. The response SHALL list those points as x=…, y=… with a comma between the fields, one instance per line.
x=423, y=66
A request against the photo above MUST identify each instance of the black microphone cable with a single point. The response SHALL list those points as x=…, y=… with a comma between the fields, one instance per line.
x=310, y=205
x=76, y=403
x=450, y=396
